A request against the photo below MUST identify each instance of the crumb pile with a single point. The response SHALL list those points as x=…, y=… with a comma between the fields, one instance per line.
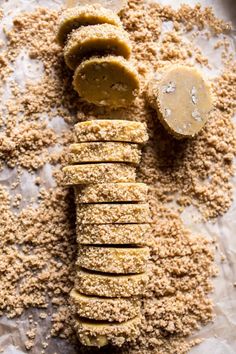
x=37, y=255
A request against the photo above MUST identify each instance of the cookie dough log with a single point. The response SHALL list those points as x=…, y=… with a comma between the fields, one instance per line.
x=106, y=81
x=99, y=334
x=111, y=130
x=96, y=40
x=78, y=16
x=182, y=99
x=113, y=213
x=126, y=260
x=111, y=192
x=97, y=284
x=98, y=173
x=104, y=152
x=105, y=309
x=113, y=234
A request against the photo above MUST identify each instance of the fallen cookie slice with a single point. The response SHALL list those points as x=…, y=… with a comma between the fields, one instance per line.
x=98, y=284
x=82, y=16
x=105, y=309
x=104, y=152
x=182, y=99
x=113, y=234
x=126, y=260
x=111, y=130
x=111, y=192
x=99, y=334
x=98, y=173
x=107, y=81
x=113, y=213
x=96, y=40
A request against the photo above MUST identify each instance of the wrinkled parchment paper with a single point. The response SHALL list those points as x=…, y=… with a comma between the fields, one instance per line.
x=220, y=336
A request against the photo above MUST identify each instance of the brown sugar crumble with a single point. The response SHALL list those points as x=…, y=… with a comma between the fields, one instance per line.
x=38, y=245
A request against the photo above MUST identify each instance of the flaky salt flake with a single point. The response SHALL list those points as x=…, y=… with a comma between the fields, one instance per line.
x=196, y=115
x=194, y=95
x=169, y=88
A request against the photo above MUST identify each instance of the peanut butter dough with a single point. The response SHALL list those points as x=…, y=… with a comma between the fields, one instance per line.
x=182, y=99
x=111, y=130
x=113, y=234
x=83, y=16
x=111, y=192
x=107, y=81
x=99, y=334
x=104, y=152
x=97, y=284
x=113, y=213
x=98, y=173
x=99, y=40
x=105, y=309
x=126, y=260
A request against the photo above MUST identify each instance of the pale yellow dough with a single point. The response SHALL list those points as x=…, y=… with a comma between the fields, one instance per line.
x=182, y=99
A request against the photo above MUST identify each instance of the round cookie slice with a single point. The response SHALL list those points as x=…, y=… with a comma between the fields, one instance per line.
x=83, y=16
x=96, y=40
x=106, y=81
x=105, y=309
x=111, y=192
x=110, y=285
x=111, y=130
x=126, y=260
x=113, y=234
x=113, y=213
x=98, y=173
x=182, y=99
x=104, y=152
x=99, y=334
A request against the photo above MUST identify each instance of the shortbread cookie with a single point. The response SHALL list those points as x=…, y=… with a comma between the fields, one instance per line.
x=105, y=309
x=98, y=173
x=78, y=16
x=106, y=81
x=104, y=152
x=126, y=260
x=113, y=214
x=113, y=234
x=111, y=130
x=97, y=284
x=182, y=99
x=99, y=40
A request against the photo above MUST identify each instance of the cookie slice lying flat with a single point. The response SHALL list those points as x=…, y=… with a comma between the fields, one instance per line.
x=113, y=260
x=106, y=81
x=105, y=309
x=111, y=130
x=113, y=213
x=104, y=152
x=98, y=284
x=96, y=40
x=82, y=16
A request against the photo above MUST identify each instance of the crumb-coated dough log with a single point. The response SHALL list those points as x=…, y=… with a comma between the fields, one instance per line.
x=111, y=192
x=98, y=173
x=98, y=284
x=78, y=16
x=106, y=81
x=99, y=334
x=182, y=99
x=113, y=234
x=96, y=40
x=111, y=130
x=105, y=309
x=104, y=152
x=119, y=260
x=113, y=213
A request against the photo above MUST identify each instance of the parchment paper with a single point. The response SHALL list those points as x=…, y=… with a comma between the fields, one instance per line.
x=220, y=336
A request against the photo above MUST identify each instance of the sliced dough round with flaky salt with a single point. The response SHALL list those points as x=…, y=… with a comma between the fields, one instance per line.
x=119, y=260
x=89, y=41
x=104, y=152
x=105, y=309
